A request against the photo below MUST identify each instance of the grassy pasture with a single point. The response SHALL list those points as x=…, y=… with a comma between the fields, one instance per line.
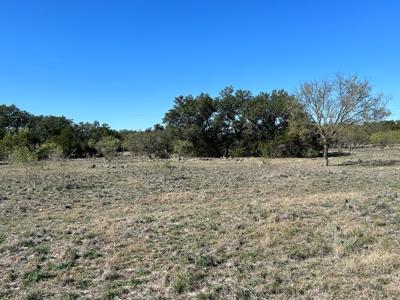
x=202, y=229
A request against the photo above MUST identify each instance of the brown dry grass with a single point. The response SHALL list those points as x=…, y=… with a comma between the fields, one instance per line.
x=202, y=229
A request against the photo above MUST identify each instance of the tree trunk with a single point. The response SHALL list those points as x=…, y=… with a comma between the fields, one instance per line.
x=326, y=149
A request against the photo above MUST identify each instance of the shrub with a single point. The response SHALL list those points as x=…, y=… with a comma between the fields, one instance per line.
x=3, y=151
x=153, y=143
x=108, y=147
x=182, y=148
x=385, y=138
x=354, y=136
x=266, y=149
x=23, y=156
x=278, y=148
x=240, y=152
x=51, y=151
x=291, y=145
x=54, y=152
x=309, y=153
x=14, y=140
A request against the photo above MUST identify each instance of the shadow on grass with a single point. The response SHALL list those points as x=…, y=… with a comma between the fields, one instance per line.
x=370, y=163
x=335, y=154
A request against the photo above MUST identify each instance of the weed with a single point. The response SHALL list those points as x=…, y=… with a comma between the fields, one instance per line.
x=110, y=294
x=92, y=254
x=181, y=283
x=36, y=275
x=70, y=296
x=35, y=295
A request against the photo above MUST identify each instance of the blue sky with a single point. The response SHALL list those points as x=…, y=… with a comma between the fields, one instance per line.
x=123, y=62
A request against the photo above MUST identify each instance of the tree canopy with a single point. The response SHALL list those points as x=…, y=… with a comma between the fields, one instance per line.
x=234, y=123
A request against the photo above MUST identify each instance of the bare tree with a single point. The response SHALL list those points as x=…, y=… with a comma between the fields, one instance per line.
x=337, y=104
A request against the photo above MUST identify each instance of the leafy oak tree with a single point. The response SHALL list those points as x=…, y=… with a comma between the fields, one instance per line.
x=191, y=119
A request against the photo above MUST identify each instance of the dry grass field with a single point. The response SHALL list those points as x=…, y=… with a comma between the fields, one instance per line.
x=202, y=229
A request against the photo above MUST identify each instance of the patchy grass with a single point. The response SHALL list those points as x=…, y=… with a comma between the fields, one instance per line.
x=202, y=229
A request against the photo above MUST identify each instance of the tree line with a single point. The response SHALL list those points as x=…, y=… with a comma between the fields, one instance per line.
x=40, y=134
x=342, y=111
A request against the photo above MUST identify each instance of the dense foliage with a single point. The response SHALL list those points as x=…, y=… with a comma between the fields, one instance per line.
x=239, y=124
x=22, y=129
x=235, y=123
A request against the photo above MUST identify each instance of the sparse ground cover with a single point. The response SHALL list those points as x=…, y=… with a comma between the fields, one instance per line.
x=202, y=229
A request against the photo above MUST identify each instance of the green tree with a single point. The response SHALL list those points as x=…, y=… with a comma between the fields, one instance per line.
x=12, y=119
x=67, y=140
x=267, y=119
x=229, y=121
x=191, y=119
x=44, y=128
x=87, y=135
x=152, y=143
x=236, y=123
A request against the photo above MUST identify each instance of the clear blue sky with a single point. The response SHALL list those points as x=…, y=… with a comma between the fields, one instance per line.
x=123, y=62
